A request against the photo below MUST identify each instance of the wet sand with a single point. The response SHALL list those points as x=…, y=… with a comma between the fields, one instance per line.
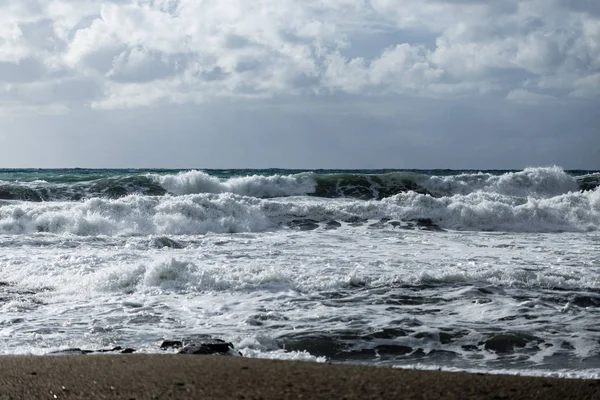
x=219, y=377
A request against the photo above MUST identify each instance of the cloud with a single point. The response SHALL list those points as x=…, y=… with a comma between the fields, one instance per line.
x=12, y=46
x=19, y=109
x=132, y=53
x=523, y=96
x=587, y=87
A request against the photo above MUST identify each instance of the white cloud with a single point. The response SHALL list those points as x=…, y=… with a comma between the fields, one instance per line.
x=587, y=87
x=130, y=53
x=12, y=46
x=523, y=96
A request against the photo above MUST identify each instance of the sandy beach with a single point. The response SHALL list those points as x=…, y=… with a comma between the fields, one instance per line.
x=218, y=377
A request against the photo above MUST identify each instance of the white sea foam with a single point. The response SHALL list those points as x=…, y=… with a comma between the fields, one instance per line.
x=221, y=213
x=95, y=292
x=573, y=211
x=531, y=182
x=136, y=215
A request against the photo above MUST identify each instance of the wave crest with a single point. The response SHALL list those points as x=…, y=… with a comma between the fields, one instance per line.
x=194, y=182
x=536, y=182
x=229, y=213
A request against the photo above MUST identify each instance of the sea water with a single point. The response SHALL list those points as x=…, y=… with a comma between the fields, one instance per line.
x=495, y=271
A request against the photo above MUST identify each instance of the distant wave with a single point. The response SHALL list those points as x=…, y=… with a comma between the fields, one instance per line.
x=65, y=190
x=193, y=182
x=536, y=182
x=227, y=212
x=531, y=182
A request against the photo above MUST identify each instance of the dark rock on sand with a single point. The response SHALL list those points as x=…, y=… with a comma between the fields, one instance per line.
x=117, y=349
x=128, y=351
x=70, y=352
x=200, y=344
x=171, y=344
x=78, y=351
x=210, y=346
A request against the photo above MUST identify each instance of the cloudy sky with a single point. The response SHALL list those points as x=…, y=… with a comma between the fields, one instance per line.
x=300, y=83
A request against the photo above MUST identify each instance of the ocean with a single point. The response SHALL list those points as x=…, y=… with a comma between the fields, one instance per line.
x=495, y=271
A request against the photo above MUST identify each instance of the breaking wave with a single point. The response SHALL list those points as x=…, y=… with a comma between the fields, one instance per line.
x=228, y=213
x=194, y=182
x=536, y=182
x=531, y=182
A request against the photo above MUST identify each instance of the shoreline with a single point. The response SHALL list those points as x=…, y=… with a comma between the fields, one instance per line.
x=165, y=376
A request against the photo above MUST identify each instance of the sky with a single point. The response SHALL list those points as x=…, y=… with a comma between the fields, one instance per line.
x=462, y=84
